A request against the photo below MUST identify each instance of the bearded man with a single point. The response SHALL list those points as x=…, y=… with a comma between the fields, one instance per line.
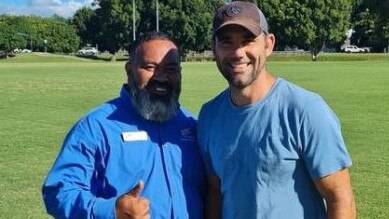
x=135, y=156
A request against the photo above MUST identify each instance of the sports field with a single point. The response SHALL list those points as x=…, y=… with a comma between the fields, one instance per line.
x=41, y=97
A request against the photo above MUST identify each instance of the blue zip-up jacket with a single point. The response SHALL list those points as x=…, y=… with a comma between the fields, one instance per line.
x=111, y=149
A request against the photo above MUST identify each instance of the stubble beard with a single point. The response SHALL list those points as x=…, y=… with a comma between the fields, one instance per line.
x=153, y=108
x=238, y=84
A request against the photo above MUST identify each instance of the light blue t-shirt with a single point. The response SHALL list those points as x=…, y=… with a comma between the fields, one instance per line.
x=268, y=154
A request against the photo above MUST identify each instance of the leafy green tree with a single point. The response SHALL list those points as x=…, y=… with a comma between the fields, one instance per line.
x=60, y=36
x=188, y=22
x=308, y=24
x=85, y=26
x=12, y=33
x=31, y=32
x=370, y=21
x=114, y=21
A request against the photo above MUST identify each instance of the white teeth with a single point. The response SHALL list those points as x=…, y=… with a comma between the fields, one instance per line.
x=161, y=89
x=240, y=64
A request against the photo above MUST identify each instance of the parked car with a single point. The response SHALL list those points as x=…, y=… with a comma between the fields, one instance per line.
x=355, y=49
x=26, y=51
x=87, y=51
x=3, y=54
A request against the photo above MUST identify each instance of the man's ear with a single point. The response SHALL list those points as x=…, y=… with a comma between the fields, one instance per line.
x=270, y=42
x=127, y=67
x=213, y=44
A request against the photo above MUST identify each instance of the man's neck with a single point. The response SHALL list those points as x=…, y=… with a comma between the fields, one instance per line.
x=254, y=92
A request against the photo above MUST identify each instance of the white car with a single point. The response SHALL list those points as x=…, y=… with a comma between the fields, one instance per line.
x=26, y=51
x=87, y=51
x=354, y=49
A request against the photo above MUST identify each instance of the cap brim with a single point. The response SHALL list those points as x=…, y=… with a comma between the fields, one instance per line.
x=253, y=28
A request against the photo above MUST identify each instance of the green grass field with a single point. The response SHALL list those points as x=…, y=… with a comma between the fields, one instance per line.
x=43, y=96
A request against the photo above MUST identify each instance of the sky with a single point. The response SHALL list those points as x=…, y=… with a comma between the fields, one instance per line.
x=43, y=8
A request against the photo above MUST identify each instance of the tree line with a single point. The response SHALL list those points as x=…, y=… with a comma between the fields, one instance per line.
x=309, y=25
x=38, y=34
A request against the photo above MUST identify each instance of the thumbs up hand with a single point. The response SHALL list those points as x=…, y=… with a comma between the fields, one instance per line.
x=132, y=206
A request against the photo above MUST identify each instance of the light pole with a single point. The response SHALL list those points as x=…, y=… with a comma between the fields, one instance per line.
x=157, y=14
x=45, y=42
x=386, y=37
x=133, y=20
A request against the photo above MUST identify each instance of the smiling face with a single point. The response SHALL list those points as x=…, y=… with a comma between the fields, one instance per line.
x=155, y=79
x=240, y=55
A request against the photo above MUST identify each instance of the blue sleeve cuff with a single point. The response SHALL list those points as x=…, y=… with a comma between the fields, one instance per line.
x=104, y=208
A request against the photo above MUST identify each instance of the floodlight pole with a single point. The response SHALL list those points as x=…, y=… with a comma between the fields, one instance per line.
x=45, y=42
x=133, y=21
x=157, y=14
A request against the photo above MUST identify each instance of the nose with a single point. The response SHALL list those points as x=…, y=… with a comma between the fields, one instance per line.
x=239, y=51
x=160, y=75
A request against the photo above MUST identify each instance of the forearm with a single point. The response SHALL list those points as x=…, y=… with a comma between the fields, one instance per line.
x=342, y=207
x=75, y=203
x=336, y=190
x=213, y=205
x=213, y=199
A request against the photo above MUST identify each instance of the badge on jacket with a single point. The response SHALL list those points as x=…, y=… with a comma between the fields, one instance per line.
x=135, y=136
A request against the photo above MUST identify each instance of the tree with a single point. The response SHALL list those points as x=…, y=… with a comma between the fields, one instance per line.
x=370, y=20
x=308, y=24
x=114, y=24
x=30, y=32
x=82, y=20
x=188, y=22
x=61, y=36
x=12, y=34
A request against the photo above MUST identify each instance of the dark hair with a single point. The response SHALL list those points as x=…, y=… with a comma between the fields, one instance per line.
x=145, y=37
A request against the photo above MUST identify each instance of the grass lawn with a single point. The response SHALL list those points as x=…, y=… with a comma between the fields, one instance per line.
x=43, y=96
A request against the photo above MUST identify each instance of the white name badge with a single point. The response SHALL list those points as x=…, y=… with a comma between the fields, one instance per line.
x=135, y=136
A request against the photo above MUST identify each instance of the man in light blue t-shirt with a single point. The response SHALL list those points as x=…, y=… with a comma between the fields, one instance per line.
x=271, y=148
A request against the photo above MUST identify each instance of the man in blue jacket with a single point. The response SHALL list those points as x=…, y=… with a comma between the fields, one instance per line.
x=135, y=156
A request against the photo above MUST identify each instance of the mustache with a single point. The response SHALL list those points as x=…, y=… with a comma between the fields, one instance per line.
x=159, y=86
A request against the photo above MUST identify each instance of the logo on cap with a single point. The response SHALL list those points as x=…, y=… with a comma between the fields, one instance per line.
x=234, y=10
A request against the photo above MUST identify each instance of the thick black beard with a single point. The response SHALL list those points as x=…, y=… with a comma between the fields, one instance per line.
x=151, y=108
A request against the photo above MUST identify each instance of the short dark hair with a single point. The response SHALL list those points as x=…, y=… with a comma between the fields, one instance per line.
x=145, y=37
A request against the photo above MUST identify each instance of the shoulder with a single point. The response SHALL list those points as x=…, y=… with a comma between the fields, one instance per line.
x=213, y=105
x=296, y=97
x=310, y=108
x=184, y=115
x=96, y=117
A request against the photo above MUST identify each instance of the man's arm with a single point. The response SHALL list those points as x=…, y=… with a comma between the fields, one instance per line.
x=67, y=191
x=336, y=190
x=213, y=198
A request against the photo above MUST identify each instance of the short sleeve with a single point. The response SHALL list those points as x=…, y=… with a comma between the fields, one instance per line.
x=323, y=147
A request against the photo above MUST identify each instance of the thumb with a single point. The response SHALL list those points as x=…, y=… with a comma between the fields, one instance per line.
x=137, y=189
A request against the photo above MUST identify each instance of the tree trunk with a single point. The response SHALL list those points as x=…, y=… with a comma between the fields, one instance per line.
x=313, y=56
x=315, y=50
x=113, y=57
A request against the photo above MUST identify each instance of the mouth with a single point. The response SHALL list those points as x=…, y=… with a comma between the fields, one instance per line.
x=238, y=67
x=159, y=89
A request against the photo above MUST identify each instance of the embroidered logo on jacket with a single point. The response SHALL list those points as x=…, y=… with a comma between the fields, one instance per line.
x=188, y=135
